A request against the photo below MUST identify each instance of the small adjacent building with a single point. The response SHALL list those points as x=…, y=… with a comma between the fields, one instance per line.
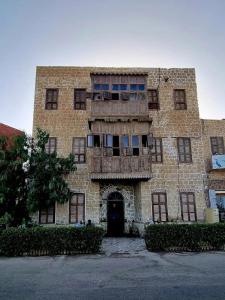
x=9, y=132
x=142, y=152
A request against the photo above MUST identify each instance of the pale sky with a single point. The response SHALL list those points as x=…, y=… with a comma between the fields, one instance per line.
x=130, y=33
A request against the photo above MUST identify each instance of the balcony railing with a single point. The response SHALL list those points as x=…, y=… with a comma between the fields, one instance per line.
x=121, y=167
x=119, y=108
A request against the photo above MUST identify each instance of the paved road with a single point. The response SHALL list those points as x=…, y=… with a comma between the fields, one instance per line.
x=122, y=272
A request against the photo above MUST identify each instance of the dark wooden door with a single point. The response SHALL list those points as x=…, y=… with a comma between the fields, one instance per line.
x=115, y=218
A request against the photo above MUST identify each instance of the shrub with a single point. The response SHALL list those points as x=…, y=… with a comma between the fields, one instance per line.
x=50, y=241
x=185, y=237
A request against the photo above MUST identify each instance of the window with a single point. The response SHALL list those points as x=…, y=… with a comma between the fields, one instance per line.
x=135, y=145
x=80, y=99
x=119, y=87
x=188, y=208
x=93, y=141
x=116, y=145
x=217, y=145
x=137, y=87
x=159, y=207
x=51, y=101
x=180, y=99
x=101, y=87
x=220, y=202
x=47, y=215
x=108, y=140
x=77, y=208
x=125, y=141
x=184, y=150
x=79, y=150
x=51, y=145
x=153, y=99
x=157, y=151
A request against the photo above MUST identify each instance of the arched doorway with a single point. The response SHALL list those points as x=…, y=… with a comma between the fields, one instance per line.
x=115, y=214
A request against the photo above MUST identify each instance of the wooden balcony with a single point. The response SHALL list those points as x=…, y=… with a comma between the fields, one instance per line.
x=119, y=108
x=121, y=167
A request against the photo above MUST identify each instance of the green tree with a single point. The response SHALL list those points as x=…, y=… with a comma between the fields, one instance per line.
x=13, y=192
x=30, y=178
x=46, y=174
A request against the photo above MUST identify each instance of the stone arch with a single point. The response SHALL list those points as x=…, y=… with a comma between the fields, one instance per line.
x=115, y=195
x=112, y=189
x=127, y=193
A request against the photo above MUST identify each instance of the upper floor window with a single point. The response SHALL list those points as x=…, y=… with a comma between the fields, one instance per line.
x=159, y=207
x=118, y=87
x=184, y=150
x=51, y=145
x=79, y=150
x=137, y=87
x=188, y=208
x=47, y=215
x=179, y=99
x=157, y=151
x=217, y=145
x=93, y=141
x=153, y=99
x=101, y=87
x=80, y=96
x=77, y=208
x=135, y=145
x=51, y=101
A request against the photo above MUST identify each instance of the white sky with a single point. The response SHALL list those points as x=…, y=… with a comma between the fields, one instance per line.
x=145, y=33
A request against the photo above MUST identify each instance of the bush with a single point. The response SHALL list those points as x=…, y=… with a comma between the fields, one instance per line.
x=177, y=237
x=50, y=241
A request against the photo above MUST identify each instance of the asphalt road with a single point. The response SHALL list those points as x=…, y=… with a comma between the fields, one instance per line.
x=117, y=276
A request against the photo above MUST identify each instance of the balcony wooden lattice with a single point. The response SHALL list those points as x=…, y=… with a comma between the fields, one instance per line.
x=120, y=167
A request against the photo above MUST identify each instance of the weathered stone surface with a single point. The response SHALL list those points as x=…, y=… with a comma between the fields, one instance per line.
x=170, y=176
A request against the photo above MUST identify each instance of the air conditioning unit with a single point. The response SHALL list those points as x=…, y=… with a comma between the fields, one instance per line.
x=125, y=96
x=97, y=96
x=107, y=96
x=141, y=96
x=89, y=95
x=129, y=151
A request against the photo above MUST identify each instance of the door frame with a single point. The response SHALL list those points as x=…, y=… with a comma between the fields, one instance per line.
x=111, y=200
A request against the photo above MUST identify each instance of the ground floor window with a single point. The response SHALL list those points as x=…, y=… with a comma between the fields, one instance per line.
x=159, y=207
x=77, y=208
x=188, y=207
x=47, y=215
x=220, y=202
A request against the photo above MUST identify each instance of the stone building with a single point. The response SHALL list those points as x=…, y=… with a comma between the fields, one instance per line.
x=142, y=152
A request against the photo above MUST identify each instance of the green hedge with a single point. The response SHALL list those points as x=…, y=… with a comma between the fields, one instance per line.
x=50, y=241
x=178, y=237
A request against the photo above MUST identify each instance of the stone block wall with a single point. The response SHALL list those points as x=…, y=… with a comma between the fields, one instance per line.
x=170, y=176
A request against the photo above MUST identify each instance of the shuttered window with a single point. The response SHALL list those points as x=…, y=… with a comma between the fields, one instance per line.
x=179, y=99
x=77, y=208
x=47, y=215
x=188, y=207
x=80, y=96
x=159, y=207
x=51, y=101
x=184, y=150
x=157, y=151
x=79, y=150
x=51, y=145
x=217, y=145
x=153, y=99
